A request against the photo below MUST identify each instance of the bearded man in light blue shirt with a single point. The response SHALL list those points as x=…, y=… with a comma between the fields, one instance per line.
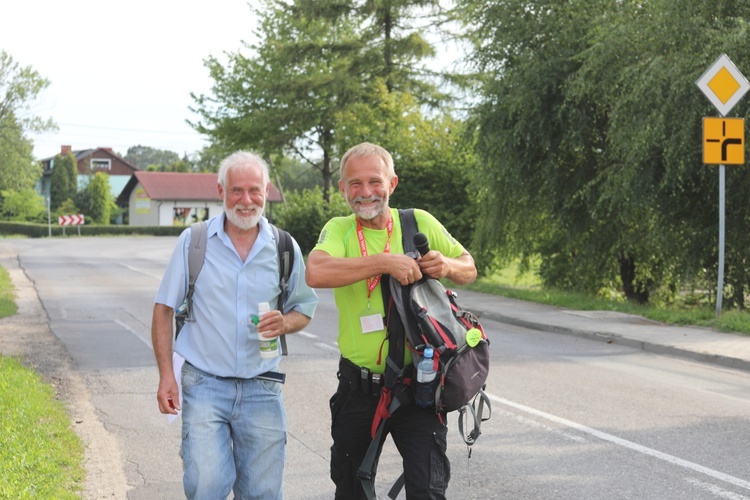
x=233, y=423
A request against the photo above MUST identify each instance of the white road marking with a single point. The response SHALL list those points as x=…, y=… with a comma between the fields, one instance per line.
x=326, y=347
x=712, y=488
x=134, y=333
x=740, y=483
x=534, y=423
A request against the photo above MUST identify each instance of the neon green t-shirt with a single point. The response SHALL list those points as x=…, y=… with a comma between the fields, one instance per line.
x=339, y=239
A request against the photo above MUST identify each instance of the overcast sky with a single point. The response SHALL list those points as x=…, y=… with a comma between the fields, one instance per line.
x=121, y=73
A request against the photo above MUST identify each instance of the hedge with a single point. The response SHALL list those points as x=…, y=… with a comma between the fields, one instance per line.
x=32, y=230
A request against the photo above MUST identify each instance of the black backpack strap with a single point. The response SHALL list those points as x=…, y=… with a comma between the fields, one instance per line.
x=400, y=393
x=285, y=248
x=408, y=229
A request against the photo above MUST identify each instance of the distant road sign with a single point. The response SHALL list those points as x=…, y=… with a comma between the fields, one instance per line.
x=724, y=141
x=723, y=84
x=71, y=220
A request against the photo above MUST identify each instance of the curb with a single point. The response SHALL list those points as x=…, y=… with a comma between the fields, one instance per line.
x=610, y=338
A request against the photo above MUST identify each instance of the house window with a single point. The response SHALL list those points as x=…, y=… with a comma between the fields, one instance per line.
x=100, y=164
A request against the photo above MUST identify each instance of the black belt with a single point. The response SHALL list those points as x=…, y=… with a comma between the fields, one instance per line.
x=360, y=377
x=270, y=376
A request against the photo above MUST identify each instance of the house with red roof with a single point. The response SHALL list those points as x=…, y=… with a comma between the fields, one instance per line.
x=176, y=199
x=89, y=162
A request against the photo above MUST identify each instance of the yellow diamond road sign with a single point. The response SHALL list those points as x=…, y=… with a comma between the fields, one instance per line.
x=724, y=141
x=723, y=84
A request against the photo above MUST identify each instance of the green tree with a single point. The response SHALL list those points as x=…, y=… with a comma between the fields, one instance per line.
x=100, y=198
x=67, y=207
x=19, y=88
x=314, y=62
x=284, y=95
x=306, y=213
x=433, y=157
x=24, y=205
x=395, y=46
x=589, y=135
x=64, y=179
x=145, y=156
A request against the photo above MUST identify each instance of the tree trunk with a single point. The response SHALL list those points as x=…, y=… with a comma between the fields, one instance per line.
x=634, y=290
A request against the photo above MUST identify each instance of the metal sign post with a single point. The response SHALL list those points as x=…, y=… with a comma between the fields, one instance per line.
x=724, y=86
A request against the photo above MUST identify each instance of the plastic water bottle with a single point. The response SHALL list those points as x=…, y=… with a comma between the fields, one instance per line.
x=426, y=367
x=269, y=348
x=425, y=396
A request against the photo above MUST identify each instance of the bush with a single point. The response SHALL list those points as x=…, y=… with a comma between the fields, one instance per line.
x=42, y=230
x=307, y=212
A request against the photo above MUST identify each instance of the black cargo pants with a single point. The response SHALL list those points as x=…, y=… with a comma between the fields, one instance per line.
x=418, y=433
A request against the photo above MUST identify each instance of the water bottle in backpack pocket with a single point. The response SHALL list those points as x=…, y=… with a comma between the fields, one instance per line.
x=426, y=380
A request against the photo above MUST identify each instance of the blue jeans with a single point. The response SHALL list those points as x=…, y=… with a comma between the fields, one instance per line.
x=233, y=436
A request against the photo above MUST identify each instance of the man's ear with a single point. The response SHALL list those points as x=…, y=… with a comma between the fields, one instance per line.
x=341, y=188
x=393, y=183
x=221, y=191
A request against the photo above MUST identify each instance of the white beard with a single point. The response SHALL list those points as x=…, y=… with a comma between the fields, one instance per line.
x=370, y=212
x=243, y=221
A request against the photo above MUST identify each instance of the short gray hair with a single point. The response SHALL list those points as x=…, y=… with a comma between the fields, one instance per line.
x=242, y=160
x=367, y=149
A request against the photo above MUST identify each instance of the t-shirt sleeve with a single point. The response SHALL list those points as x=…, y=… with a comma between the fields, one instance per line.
x=439, y=238
x=173, y=287
x=332, y=237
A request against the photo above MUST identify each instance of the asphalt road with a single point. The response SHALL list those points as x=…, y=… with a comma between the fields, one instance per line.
x=572, y=418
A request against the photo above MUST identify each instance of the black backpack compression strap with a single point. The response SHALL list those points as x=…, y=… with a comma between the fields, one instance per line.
x=285, y=249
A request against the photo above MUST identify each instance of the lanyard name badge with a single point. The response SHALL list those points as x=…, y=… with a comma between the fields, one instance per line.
x=372, y=322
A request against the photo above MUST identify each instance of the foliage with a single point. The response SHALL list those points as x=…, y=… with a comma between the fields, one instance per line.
x=284, y=95
x=433, y=158
x=145, y=156
x=25, y=205
x=686, y=312
x=8, y=305
x=315, y=63
x=19, y=88
x=306, y=213
x=42, y=456
x=588, y=130
x=33, y=230
x=64, y=179
x=100, y=198
x=208, y=158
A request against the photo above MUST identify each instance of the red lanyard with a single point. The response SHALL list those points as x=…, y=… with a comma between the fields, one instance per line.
x=372, y=282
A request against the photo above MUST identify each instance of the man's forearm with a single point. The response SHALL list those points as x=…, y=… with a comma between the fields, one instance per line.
x=462, y=270
x=295, y=321
x=161, y=336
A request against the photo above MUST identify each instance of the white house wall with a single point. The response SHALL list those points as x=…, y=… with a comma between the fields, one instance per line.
x=144, y=211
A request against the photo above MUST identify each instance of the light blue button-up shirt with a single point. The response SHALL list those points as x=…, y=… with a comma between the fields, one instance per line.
x=222, y=340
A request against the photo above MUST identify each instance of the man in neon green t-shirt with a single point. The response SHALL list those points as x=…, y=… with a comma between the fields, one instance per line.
x=351, y=256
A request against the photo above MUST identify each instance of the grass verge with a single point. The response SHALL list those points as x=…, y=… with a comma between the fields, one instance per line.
x=506, y=284
x=41, y=455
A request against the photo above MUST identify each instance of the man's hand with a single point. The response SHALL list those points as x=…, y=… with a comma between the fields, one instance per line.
x=404, y=268
x=168, y=396
x=434, y=264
